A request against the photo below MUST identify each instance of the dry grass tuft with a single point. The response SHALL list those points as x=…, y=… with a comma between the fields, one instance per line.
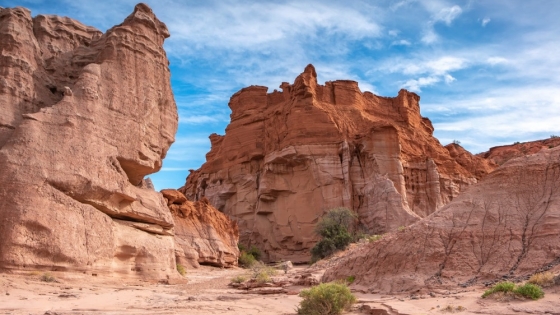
x=543, y=279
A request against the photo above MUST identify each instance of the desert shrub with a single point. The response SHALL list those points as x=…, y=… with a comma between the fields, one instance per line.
x=255, y=252
x=527, y=290
x=326, y=299
x=350, y=279
x=262, y=273
x=453, y=309
x=47, y=277
x=553, y=136
x=530, y=291
x=181, y=270
x=238, y=279
x=505, y=287
x=246, y=260
x=543, y=279
x=335, y=229
x=401, y=228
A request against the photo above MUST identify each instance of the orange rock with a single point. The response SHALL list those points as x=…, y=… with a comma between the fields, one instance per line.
x=84, y=117
x=289, y=156
x=203, y=235
x=504, y=227
x=501, y=154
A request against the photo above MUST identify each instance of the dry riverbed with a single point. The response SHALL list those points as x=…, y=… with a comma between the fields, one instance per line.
x=207, y=292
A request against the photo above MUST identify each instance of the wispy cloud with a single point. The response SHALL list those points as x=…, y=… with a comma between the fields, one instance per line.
x=485, y=21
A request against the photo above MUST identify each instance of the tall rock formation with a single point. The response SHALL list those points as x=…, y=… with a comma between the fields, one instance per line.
x=84, y=117
x=289, y=156
x=504, y=227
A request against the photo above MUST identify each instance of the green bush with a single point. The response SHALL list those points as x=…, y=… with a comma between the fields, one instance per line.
x=326, y=299
x=246, y=260
x=238, y=279
x=530, y=291
x=255, y=252
x=350, y=279
x=505, y=287
x=527, y=290
x=47, y=277
x=181, y=270
x=335, y=228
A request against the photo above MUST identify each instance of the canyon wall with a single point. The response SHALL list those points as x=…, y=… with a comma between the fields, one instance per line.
x=84, y=117
x=503, y=228
x=289, y=156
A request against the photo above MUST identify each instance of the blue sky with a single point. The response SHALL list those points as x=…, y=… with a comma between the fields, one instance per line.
x=488, y=72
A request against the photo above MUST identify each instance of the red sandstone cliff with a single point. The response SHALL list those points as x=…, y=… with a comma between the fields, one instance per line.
x=84, y=116
x=501, y=154
x=504, y=227
x=290, y=155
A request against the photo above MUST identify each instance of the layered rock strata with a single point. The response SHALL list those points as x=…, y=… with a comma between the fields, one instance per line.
x=84, y=117
x=505, y=227
x=203, y=235
x=501, y=154
x=289, y=156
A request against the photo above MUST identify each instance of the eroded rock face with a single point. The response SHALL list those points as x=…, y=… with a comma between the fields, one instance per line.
x=84, y=117
x=504, y=227
x=203, y=235
x=289, y=156
x=501, y=154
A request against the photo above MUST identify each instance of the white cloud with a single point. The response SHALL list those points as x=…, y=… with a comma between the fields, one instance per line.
x=402, y=42
x=485, y=21
x=448, y=78
x=496, y=60
x=447, y=15
x=429, y=36
x=415, y=85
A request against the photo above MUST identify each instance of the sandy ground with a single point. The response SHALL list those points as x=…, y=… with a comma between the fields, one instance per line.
x=207, y=292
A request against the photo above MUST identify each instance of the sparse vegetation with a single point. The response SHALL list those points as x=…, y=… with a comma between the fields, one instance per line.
x=457, y=142
x=543, y=279
x=401, y=228
x=505, y=287
x=453, y=309
x=553, y=136
x=262, y=272
x=326, y=299
x=47, y=277
x=181, y=269
x=336, y=229
x=350, y=279
x=239, y=279
x=528, y=290
x=248, y=256
x=516, y=142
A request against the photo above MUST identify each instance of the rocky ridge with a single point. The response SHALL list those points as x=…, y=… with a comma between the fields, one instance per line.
x=505, y=227
x=85, y=116
x=289, y=156
x=501, y=154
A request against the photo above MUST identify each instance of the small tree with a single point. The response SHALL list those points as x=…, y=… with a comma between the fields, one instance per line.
x=335, y=229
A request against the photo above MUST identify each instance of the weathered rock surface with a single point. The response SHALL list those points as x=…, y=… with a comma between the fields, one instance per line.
x=289, y=156
x=203, y=235
x=501, y=154
x=504, y=227
x=84, y=117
